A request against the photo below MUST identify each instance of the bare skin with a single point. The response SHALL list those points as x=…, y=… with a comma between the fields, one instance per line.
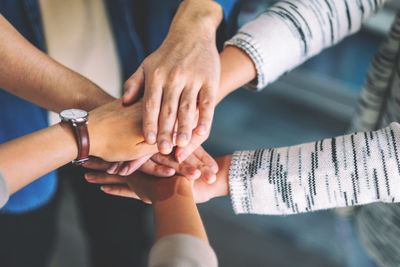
x=180, y=76
x=27, y=72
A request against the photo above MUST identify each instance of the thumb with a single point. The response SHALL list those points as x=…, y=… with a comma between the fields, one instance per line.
x=132, y=86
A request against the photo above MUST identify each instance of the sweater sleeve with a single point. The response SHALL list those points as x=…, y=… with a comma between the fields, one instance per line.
x=4, y=192
x=182, y=250
x=349, y=170
x=292, y=31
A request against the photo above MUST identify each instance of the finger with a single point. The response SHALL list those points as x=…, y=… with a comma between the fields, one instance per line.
x=182, y=153
x=119, y=190
x=167, y=119
x=114, y=169
x=131, y=166
x=207, y=175
x=186, y=115
x=206, y=109
x=166, y=160
x=151, y=108
x=140, y=150
x=132, y=86
x=104, y=178
x=187, y=169
x=152, y=168
x=97, y=164
x=206, y=159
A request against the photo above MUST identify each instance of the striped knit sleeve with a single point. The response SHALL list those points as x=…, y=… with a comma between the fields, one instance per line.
x=350, y=170
x=292, y=31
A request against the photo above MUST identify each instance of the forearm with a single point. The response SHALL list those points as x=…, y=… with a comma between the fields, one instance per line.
x=291, y=32
x=30, y=74
x=175, y=211
x=349, y=170
x=27, y=158
x=237, y=69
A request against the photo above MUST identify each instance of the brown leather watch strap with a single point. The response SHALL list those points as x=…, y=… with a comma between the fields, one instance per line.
x=82, y=137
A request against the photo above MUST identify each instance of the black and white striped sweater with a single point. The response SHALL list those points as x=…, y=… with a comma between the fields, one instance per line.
x=355, y=169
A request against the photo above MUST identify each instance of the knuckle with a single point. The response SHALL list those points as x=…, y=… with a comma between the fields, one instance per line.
x=176, y=75
x=164, y=135
x=150, y=104
x=206, y=103
x=169, y=111
x=157, y=73
x=149, y=127
x=186, y=107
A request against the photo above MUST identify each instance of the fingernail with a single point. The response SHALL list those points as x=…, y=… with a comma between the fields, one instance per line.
x=197, y=174
x=165, y=146
x=104, y=188
x=150, y=138
x=182, y=139
x=89, y=177
x=124, y=171
x=202, y=129
x=169, y=172
x=181, y=156
x=113, y=168
x=212, y=179
x=174, y=139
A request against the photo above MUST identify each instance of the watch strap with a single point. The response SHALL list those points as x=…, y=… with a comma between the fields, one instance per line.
x=82, y=138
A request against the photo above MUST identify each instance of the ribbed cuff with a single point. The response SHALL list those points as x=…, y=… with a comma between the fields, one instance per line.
x=4, y=190
x=247, y=43
x=239, y=182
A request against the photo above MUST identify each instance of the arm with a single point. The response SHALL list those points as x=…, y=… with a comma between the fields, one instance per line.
x=29, y=157
x=269, y=46
x=180, y=234
x=355, y=169
x=350, y=170
x=180, y=76
x=28, y=73
x=291, y=32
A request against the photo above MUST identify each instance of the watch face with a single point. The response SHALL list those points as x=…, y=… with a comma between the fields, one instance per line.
x=73, y=114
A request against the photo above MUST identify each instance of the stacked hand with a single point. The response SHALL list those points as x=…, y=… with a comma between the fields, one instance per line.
x=146, y=188
x=179, y=78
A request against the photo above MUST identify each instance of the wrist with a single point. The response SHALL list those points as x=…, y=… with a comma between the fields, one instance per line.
x=89, y=101
x=69, y=138
x=171, y=188
x=237, y=69
x=204, y=15
x=222, y=183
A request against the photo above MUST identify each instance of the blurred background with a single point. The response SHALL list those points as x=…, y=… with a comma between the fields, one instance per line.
x=313, y=102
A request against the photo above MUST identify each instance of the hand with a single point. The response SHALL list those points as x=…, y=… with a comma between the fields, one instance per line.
x=199, y=165
x=115, y=132
x=130, y=185
x=180, y=76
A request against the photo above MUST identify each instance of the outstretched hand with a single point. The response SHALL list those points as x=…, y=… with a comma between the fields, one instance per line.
x=182, y=75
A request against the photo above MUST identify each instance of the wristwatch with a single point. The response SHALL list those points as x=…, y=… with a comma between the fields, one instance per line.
x=77, y=118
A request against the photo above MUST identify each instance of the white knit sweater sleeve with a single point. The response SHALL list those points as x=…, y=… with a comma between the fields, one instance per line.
x=349, y=170
x=292, y=31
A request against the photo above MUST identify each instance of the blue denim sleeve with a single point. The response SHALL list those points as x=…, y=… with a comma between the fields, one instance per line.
x=227, y=6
